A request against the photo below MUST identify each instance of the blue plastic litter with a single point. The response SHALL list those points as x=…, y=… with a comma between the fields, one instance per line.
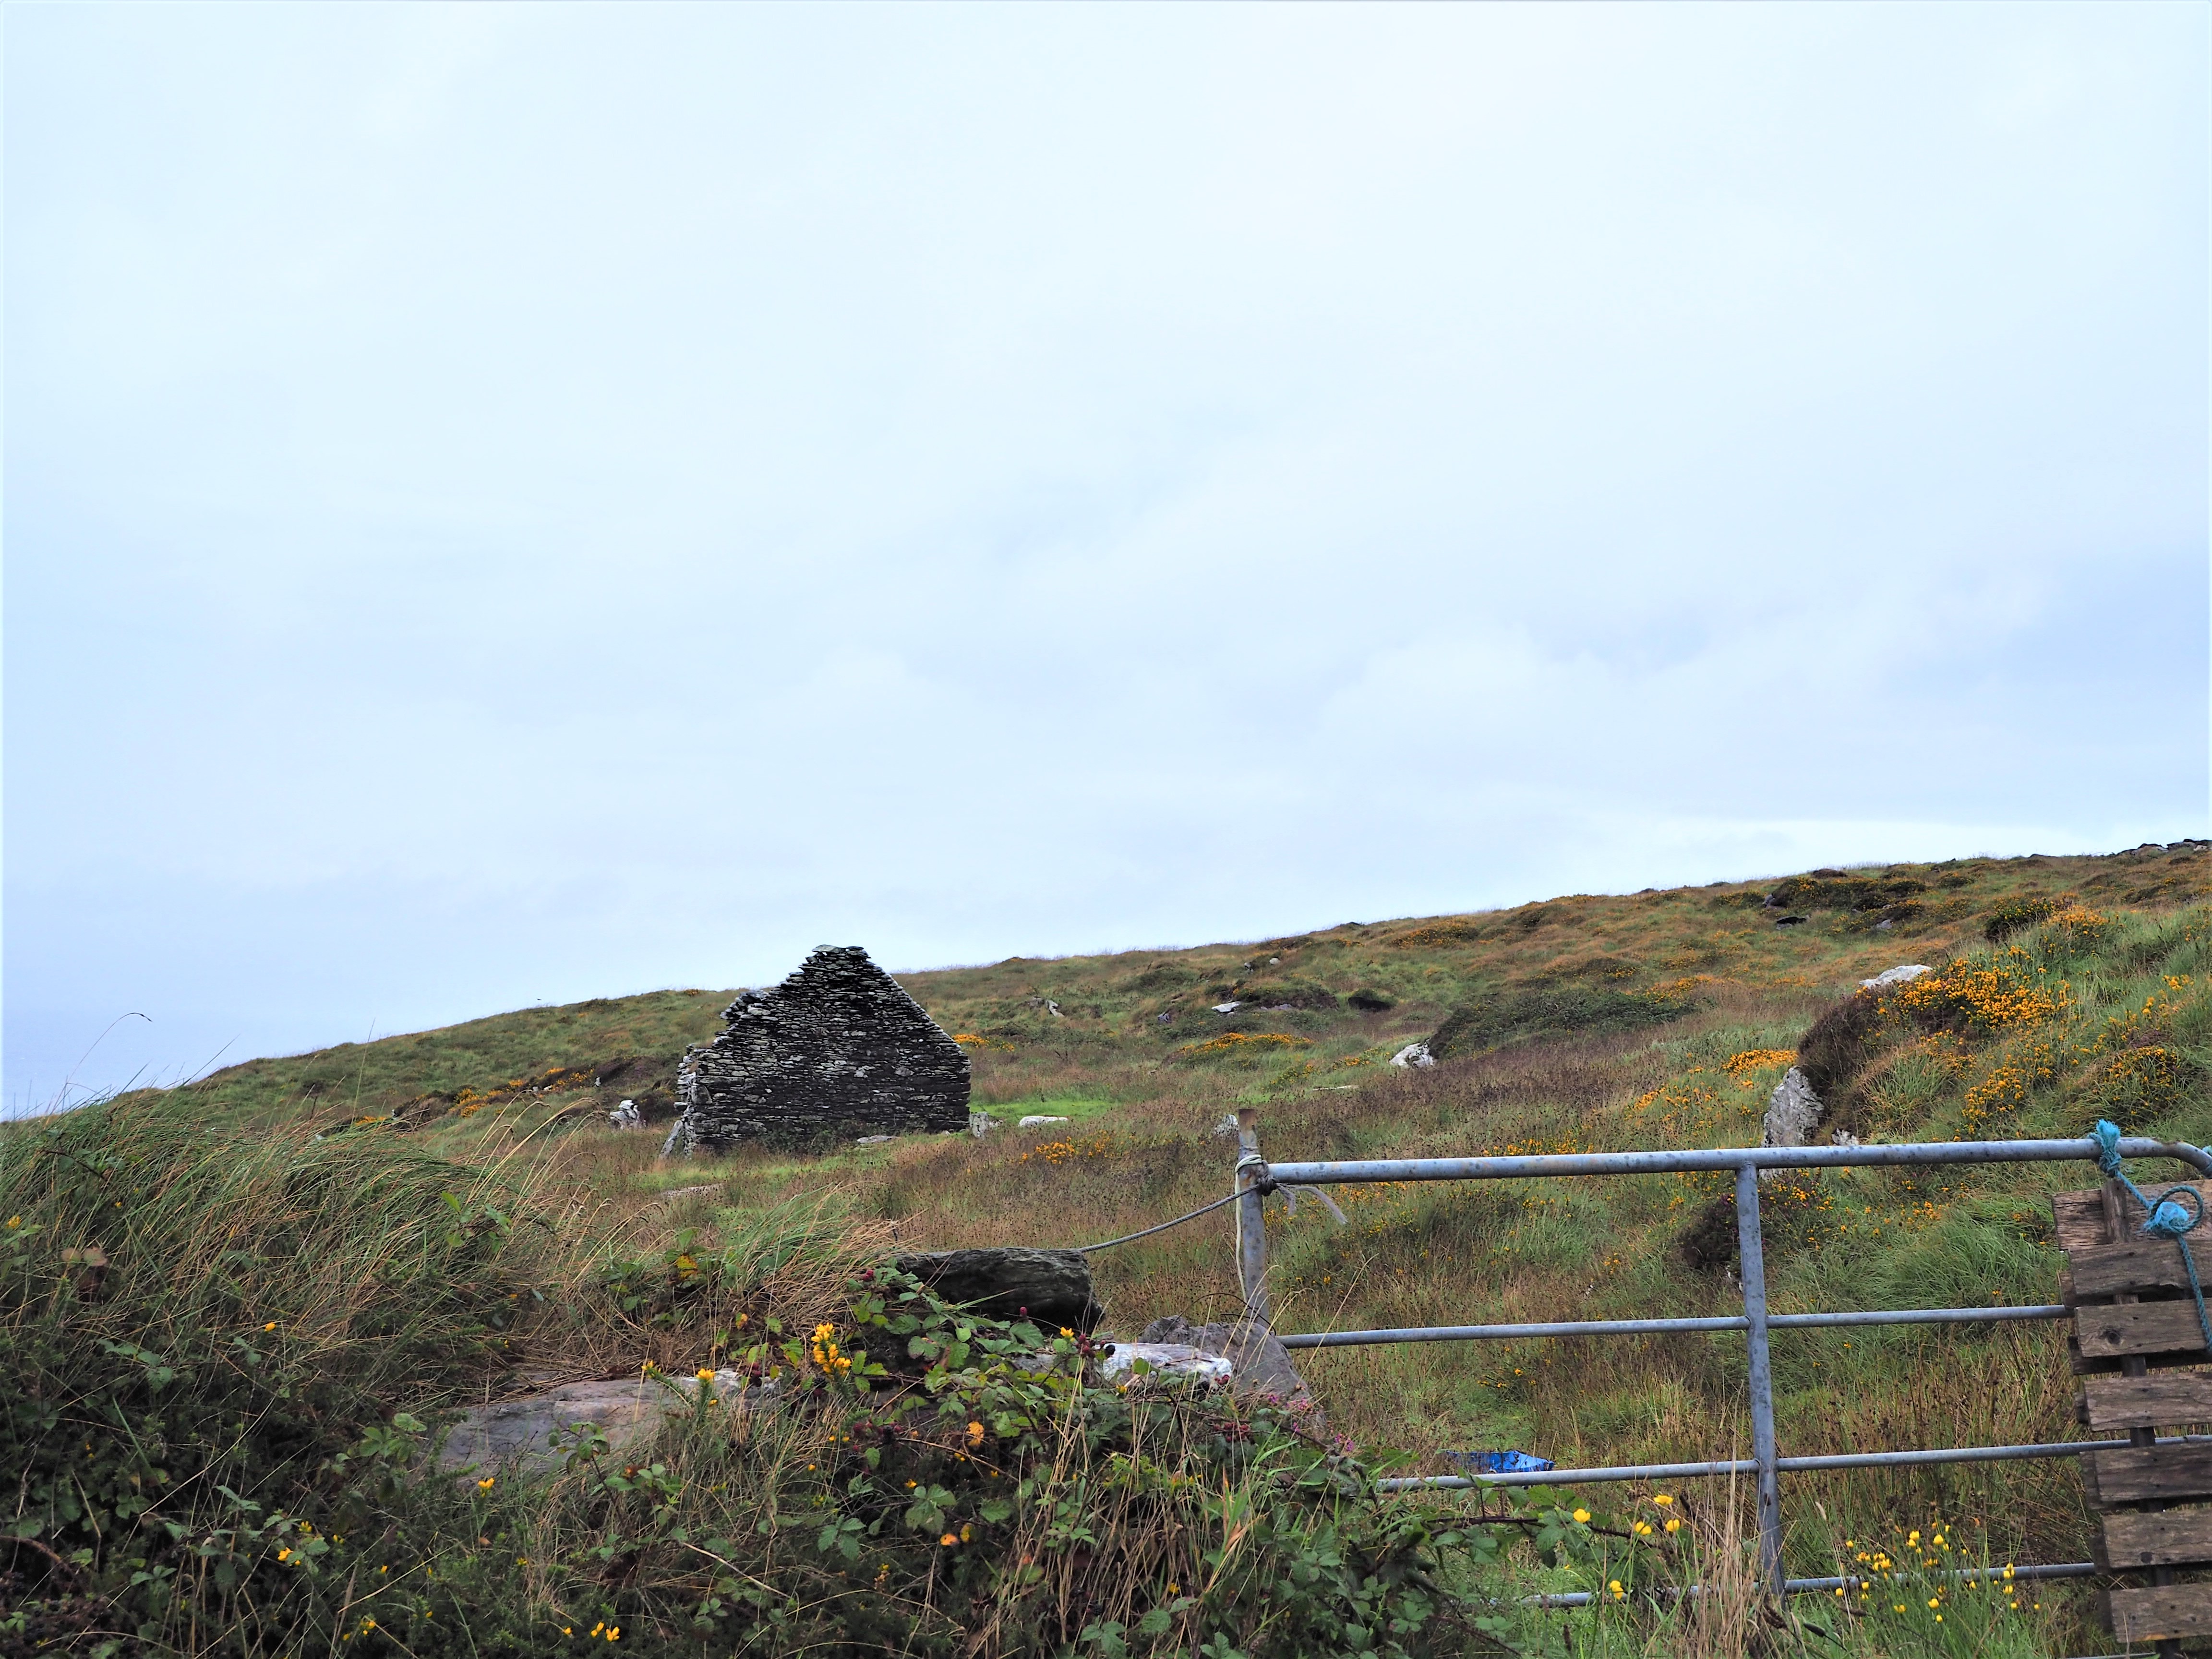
x=1501, y=1462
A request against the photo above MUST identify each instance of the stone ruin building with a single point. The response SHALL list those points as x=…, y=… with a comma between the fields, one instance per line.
x=835, y=1052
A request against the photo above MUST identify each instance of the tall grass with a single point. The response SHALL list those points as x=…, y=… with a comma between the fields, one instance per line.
x=233, y=1355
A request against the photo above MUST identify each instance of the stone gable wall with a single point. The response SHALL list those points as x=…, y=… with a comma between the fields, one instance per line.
x=838, y=1050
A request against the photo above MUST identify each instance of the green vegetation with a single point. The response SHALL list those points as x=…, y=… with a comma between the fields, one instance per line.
x=224, y=1320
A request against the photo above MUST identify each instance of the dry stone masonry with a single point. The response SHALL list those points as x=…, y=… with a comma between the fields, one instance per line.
x=837, y=1051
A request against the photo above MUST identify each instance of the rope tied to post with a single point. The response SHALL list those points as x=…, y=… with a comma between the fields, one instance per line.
x=2166, y=1218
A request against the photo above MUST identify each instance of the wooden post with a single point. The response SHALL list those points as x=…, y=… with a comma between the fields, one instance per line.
x=1251, y=1225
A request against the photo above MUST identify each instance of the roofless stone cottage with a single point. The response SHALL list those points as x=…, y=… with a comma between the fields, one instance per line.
x=837, y=1050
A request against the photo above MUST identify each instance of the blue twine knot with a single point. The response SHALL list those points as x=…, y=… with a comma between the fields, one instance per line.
x=2166, y=1218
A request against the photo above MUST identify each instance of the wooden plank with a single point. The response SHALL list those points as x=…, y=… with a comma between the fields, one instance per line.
x=2166, y=1400
x=2081, y=1219
x=2139, y=1328
x=2148, y=1474
x=2160, y=1612
x=2138, y=1265
x=2131, y=1541
x=2078, y=1220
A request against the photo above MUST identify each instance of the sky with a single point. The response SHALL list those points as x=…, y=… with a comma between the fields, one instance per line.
x=515, y=504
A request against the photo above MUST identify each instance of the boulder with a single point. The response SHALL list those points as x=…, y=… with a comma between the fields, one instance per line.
x=1036, y=1119
x=1903, y=974
x=516, y=1437
x=1792, y=1112
x=1414, y=1055
x=1258, y=1364
x=626, y=1115
x=1052, y=1288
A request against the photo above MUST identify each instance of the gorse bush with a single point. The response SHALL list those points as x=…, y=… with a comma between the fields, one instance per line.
x=225, y=1435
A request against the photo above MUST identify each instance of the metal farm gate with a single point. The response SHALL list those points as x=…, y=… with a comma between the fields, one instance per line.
x=2104, y=1349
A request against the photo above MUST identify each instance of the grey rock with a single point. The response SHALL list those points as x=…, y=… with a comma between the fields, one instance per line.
x=1052, y=1288
x=517, y=1437
x=837, y=1051
x=1793, y=1110
x=1414, y=1056
x=626, y=1116
x=1259, y=1363
x=980, y=1124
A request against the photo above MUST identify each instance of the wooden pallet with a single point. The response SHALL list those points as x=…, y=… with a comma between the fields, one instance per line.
x=2135, y=1329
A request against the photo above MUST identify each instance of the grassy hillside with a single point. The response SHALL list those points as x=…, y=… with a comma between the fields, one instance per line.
x=2066, y=989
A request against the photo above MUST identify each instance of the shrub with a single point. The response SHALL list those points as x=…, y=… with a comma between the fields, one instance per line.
x=1289, y=993
x=1982, y=995
x=1838, y=1045
x=1551, y=1011
x=2016, y=915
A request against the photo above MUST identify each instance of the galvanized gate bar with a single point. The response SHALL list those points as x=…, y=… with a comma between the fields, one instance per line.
x=1781, y=1465
x=1679, y=1160
x=1806, y=1586
x=1660, y=1327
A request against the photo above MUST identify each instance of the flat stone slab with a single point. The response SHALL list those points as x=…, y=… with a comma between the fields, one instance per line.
x=515, y=1437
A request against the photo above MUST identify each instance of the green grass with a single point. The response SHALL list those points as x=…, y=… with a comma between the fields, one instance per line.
x=2105, y=1015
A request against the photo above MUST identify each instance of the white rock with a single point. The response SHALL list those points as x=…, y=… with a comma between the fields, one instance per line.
x=1791, y=1111
x=1903, y=974
x=1035, y=1119
x=980, y=1124
x=1415, y=1055
x=626, y=1116
x=1226, y=1007
x=870, y=1141
x=1176, y=1362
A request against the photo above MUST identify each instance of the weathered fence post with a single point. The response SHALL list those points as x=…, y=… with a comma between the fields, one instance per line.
x=1753, y=1264
x=1251, y=1225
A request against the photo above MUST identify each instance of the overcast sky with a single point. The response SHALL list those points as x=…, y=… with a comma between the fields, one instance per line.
x=517, y=503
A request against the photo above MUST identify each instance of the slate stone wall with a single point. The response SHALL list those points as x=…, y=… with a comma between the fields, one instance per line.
x=838, y=1050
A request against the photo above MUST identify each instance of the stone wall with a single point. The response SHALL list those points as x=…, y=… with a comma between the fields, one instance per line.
x=838, y=1050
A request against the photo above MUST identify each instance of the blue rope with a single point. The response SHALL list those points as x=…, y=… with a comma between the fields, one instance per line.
x=2166, y=1219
